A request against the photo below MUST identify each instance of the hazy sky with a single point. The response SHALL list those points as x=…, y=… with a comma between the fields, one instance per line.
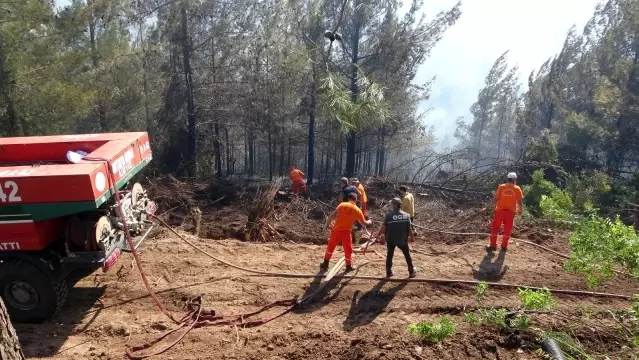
x=533, y=31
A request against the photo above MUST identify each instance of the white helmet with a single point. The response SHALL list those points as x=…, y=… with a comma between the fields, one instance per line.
x=511, y=175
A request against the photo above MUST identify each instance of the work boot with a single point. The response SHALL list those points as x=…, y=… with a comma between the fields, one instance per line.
x=389, y=273
x=350, y=268
x=504, y=248
x=490, y=248
x=324, y=266
x=412, y=274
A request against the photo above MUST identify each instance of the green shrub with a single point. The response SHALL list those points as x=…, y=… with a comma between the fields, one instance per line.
x=587, y=189
x=557, y=207
x=521, y=322
x=480, y=290
x=497, y=317
x=433, y=332
x=534, y=192
x=543, y=148
x=598, y=245
x=536, y=299
x=543, y=199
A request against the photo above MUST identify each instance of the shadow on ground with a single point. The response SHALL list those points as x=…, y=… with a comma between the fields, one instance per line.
x=316, y=295
x=489, y=270
x=370, y=305
x=46, y=339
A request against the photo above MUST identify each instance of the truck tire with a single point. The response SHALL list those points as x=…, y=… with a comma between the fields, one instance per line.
x=30, y=295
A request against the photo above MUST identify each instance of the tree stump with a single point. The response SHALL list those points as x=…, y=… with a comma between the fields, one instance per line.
x=9, y=344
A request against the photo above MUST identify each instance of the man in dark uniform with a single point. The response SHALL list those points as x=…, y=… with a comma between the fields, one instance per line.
x=347, y=189
x=397, y=231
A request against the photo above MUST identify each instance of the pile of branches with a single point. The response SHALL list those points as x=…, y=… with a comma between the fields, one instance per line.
x=170, y=194
x=260, y=214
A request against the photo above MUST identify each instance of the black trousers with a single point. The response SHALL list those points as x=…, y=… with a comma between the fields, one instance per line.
x=390, y=251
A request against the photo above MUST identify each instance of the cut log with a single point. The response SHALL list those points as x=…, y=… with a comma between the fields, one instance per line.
x=10, y=348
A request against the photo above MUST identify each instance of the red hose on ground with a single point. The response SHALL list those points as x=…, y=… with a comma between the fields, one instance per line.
x=195, y=317
x=360, y=277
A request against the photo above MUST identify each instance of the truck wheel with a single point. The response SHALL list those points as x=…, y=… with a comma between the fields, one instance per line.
x=29, y=294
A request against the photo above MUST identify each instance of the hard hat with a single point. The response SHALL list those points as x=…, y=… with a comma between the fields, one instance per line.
x=511, y=175
x=354, y=180
x=396, y=201
x=344, y=180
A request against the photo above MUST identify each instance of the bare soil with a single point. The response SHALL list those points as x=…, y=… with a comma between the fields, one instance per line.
x=350, y=319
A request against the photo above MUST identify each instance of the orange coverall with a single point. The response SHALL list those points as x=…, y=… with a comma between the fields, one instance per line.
x=364, y=198
x=347, y=214
x=296, y=178
x=507, y=197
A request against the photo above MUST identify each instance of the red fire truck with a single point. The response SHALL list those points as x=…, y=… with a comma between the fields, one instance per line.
x=59, y=214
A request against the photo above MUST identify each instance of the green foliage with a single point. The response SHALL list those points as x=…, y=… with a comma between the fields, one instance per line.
x=536, y=299
x=433, y=332
x=368, y=109
x=543, y=148
x=536, y=190
x=42, y=90
x=622, y=192
x=480, y=290
x=521, y=322
x=587, y=188
x=569, y=345
x=545, y=199
x=557, y=207
x=497, y=317
x=472, y=318
x=634, y=309
x=599, y=245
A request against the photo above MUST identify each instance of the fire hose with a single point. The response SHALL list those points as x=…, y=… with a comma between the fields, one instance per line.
x=197, y=317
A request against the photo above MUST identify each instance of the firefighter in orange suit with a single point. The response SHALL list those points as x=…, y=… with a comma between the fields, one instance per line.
x=508, y=202
x=345, y=216
x=296, y=179
x=363, y=199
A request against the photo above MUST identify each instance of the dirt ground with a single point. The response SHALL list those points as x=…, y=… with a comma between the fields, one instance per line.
x=350, y=319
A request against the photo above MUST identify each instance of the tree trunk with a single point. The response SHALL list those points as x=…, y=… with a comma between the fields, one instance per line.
x=282, y=160
x=217, y=149
x=382, y=152
x=270, y=147
x=251, y=153
x=145, y=84
x=10, y=348
x=351, y=138
x=95, y=60
x=311, y=127
x=246, y=154
x=191, y=146
x=228, y=152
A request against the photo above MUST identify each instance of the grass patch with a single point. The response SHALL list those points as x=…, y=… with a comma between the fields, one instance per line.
x=433, y=332
x=536, y=299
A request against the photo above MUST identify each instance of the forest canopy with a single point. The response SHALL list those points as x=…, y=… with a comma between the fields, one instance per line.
x=226, y=87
